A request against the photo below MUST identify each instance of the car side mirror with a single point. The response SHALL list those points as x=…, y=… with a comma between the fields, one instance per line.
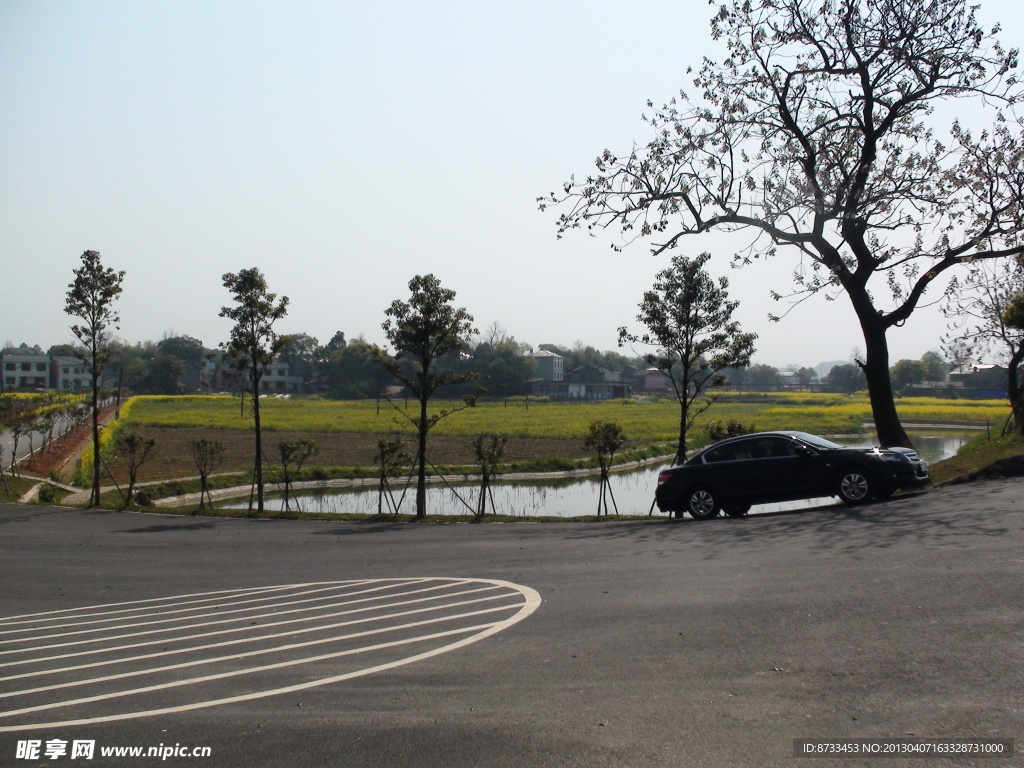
x=803, y=450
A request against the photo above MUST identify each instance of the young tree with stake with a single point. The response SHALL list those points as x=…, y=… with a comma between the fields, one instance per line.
x=424, y=331
x=254, y=345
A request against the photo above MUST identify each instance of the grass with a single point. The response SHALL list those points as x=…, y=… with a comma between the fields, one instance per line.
x=16, y=488
x=977, y=456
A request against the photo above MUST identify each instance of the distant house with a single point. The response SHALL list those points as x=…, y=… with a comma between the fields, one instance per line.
x=594, y=382
x=25, y=367
x=651, y=381
x=981, y=376
x=549, y=365
x=69, y=374
x=277, y=378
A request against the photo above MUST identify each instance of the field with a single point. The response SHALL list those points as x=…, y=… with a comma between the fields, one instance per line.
x=643, y=422
x=544, y=435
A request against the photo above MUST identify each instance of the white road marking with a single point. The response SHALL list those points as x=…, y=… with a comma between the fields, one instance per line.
x=180, y=610
x=448, y=605
x=37, y=638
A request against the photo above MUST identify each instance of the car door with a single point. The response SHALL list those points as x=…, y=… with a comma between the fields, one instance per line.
x=732, y=470
x=789, y=469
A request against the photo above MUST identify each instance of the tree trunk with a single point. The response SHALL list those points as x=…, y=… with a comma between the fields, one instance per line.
x=1015, y=390
x=876, y=369
x=94, y=499
x=258, y=465
x=681, y=448
x=421, y=478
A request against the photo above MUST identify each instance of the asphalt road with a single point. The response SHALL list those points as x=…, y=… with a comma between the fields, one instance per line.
x=660, y=643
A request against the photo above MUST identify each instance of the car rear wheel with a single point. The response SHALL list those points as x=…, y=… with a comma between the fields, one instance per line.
x=702, y=504
x=854, y=486
x=737, y=510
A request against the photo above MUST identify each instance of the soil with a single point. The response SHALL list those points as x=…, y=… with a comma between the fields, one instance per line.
x=172, y=457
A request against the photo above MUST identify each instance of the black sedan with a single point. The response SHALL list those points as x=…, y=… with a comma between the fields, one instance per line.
x=783, y=466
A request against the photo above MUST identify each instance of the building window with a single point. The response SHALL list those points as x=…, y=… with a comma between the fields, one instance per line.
x=26, y=366
x=10, y=367
x=40, y=366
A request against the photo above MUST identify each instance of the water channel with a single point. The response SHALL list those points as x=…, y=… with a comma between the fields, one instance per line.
x=633, y=490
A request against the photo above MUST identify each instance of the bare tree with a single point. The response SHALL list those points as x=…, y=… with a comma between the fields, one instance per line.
x=294, y=453
x=90, y=298
x=817, y=133
x=391, y=460
x=983, y=319
x=488, y=450
x=605, y=438
x=207, y=457
x=134, y=450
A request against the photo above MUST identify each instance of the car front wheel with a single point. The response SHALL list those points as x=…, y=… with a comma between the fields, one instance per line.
x=702, y=504
x=854, y=486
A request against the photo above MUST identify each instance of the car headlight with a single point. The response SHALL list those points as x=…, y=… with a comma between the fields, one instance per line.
x=889, y=456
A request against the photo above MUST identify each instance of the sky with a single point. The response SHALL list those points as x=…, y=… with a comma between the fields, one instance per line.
x=343, y=148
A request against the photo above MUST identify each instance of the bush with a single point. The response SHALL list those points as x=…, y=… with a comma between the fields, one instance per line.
x=47, y=494
x=717, y=430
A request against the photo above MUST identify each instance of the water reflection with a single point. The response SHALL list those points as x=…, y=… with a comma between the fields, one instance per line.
x=633, y=492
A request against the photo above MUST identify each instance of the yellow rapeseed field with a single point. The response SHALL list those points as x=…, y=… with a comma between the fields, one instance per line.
x=642, y=421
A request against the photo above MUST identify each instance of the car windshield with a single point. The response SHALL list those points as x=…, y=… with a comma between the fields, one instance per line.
x=817, y=442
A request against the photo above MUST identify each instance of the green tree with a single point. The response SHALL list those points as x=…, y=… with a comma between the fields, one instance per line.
x=847, y=378
x=90, y=298
x=818, y=133
x=806, y=377
x=908, y=372
x=763, y=378
x=689, y=321
x=187, y=349
x=254, y=344
x=935, y=367
x=424, y=332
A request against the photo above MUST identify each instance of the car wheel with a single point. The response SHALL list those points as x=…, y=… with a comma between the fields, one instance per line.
x=737, y=510
x=854, y=486
x=702, y=504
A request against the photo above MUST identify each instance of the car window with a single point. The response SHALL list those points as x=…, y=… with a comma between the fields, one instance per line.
x=773, y=448
x=729, y=452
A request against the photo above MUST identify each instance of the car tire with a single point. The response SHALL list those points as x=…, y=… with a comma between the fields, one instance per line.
x=855, y=486
x=703, y=504
x=737, y=510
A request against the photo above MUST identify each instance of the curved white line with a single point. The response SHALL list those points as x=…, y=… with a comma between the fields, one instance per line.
x=532, y=601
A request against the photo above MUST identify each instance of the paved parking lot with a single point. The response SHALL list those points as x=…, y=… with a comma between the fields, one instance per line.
x=614, y=644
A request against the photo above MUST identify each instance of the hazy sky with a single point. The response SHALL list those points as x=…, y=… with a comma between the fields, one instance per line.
x=345, y=147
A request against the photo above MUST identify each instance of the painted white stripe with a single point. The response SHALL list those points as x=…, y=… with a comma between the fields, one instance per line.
x=161, y=612
x=532, y=601
x=38, y=638
x=245, y=655
x=257, y=638
x=57, y=613
x=247, y=628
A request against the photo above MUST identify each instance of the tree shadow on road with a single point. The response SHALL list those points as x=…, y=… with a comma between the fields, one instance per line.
x=950, y=517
